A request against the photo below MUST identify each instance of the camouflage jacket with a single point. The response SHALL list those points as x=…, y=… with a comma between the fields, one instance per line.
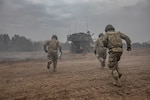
x=112, y=40
x=52, y=46
x=99, y=46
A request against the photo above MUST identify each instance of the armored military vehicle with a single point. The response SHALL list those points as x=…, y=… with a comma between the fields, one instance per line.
x=80, y=42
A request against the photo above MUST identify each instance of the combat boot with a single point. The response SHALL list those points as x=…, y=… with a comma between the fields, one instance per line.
x=117, y=83
x=116, y=75
x=119, y=74
x=48, y=64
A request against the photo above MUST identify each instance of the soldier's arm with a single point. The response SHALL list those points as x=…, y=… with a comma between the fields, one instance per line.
x=60, y=49
x=45, y=46
x=127, y=39
x=105, y=40
x=59, y=46
x=96, y=45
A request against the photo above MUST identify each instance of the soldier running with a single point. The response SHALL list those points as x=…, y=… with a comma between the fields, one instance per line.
x=112, y=40
x=52, y=47
x=101, y=50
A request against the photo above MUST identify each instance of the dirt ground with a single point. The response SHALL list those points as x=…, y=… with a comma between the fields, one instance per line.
x=78, y=77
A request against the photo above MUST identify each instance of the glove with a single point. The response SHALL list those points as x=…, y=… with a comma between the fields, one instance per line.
x=60, y=55
x=128, y=48
x=95, y=52
x=46, y=51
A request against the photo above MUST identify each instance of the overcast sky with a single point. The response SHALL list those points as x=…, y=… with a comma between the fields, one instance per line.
x=40, y=19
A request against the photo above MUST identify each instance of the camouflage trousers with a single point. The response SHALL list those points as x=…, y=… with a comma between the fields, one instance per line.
x=102, y=56
x=114, y=57
x=52, y=58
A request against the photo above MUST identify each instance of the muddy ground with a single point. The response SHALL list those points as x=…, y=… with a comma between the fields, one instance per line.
x=78, y=77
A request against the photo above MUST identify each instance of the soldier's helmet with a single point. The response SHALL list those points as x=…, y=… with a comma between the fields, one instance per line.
x=101, y=34
x=54, y=37
x=109, y=27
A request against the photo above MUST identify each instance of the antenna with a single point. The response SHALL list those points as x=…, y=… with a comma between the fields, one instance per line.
x=87, y=23
x=87, y=18
x=70, y=31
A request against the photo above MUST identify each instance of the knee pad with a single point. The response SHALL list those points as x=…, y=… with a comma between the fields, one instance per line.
x=115, y=74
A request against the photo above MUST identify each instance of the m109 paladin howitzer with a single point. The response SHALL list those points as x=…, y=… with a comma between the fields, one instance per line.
x=81, y=42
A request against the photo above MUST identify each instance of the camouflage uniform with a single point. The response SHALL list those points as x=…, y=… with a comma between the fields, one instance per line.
x=112, y=40
x=51, y=47
x=101, y=50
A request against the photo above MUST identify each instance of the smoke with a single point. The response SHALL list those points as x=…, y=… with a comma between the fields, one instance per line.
x=22, y=56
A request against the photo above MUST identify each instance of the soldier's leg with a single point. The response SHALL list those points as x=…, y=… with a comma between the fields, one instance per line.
x=103, y=63
x=113, y=66
x=54, y=66
x=101, y=59
x=116, y=75
x=55, y=58
x=48, y=64
x=118, y=55
x=49, y=60
x=117, y=69
x=105, y=55
x=104, y=58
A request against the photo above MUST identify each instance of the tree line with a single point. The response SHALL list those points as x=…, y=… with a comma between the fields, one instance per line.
x=18, y=43
x=21, y=44
x=139, y=45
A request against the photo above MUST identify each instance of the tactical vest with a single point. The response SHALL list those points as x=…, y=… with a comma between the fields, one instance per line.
x=53, y=45
x=114, y=42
